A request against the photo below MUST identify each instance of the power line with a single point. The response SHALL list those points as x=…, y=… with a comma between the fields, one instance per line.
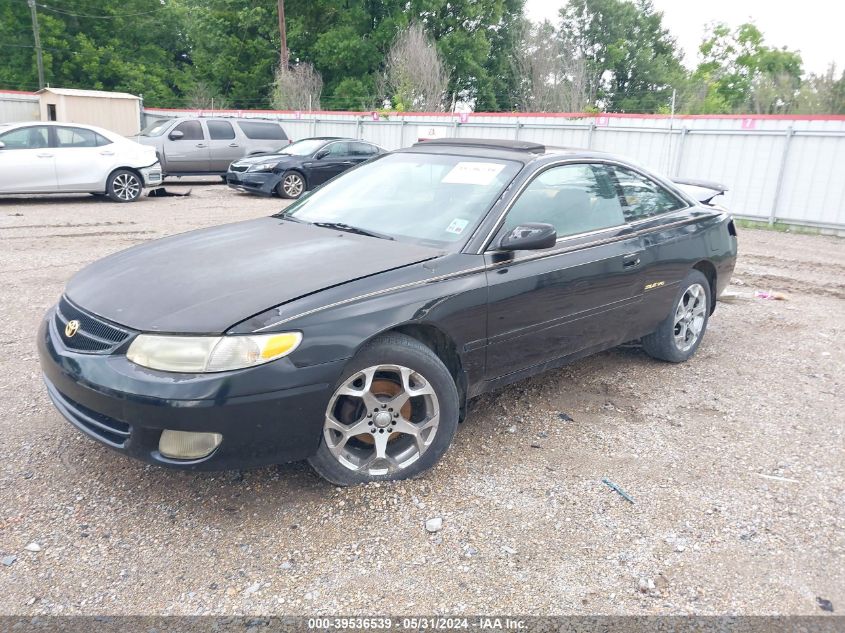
x=99, y=17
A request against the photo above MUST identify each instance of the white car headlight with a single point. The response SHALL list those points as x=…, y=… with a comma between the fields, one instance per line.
x=201, y=354
x=263, y=166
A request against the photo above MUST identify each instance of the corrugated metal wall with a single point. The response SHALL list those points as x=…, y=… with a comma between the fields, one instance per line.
x=789, y=169
x=18, y=106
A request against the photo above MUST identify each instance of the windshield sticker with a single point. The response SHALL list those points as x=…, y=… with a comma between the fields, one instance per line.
x=466, y=173
x=457, y=226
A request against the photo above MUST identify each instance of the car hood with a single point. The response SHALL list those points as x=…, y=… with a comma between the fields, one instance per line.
x=263, y=158
x=208, y=280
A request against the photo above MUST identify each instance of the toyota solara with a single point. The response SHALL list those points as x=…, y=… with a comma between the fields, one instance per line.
x=353, y=328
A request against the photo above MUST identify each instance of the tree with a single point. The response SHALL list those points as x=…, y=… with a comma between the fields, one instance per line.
x=822, y=94
x=631, y=60
x=415, y=77
x=551, y=78
x=297, y=88
x=739, y=73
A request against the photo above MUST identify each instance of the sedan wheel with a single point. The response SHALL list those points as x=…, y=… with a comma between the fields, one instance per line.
x=389, y=419
x=292, y=186
x=124, y=186
x=681, y=332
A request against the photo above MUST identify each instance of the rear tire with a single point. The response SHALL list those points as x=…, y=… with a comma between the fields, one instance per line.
x=124, y=186
x=291, y=186
x=678, y=336
x=365, y=438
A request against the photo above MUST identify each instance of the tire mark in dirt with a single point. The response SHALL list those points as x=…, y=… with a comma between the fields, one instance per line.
x=67, y=225
x=97, y=234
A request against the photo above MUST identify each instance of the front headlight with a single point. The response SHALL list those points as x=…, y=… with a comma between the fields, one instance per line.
x=263, y=166
x=201, y=354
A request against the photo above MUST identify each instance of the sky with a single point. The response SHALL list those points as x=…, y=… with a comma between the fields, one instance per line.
x=813, y=27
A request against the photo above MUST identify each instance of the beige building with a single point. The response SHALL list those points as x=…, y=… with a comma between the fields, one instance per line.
x=116, y=111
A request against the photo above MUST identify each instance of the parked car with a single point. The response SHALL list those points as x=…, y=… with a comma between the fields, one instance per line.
x=190, y=146
x=299, y=167
x=74, y=158
x=352, y=328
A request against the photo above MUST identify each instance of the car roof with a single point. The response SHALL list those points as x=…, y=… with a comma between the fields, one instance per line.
x=504, y=149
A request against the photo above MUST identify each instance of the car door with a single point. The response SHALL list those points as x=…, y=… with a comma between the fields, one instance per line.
x=223, y=146
x=571, y=298
x=329, y=161
x=27, y=162
x=651, y=209
x=186, y=149
x=84, y=158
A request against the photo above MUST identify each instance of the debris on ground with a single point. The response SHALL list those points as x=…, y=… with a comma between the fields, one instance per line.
x=776, y=478
x=161, y=192
x=434, y=525
x=8, y=561
x=824, y=604
x=616, y=487
x=565, y=417
x=769, y=294
x=33, y=547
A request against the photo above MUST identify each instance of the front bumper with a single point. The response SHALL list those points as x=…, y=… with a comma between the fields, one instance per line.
x=260, y=182
x=152, y=175
x=268, y=414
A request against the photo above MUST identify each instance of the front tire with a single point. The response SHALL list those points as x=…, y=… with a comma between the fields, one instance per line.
x=678, y=336
x=291, y=186
x=392, y=415
x=124, y=186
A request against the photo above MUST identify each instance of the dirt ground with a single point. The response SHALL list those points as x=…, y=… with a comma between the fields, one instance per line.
x=735, y=462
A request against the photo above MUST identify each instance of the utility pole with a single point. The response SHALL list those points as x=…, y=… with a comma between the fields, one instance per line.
x=282, y=34
x=37, y=37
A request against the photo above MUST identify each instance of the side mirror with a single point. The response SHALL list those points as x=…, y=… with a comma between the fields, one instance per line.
x=2, y=145
x=528, y=237
x=175, y=135
x=321, y=154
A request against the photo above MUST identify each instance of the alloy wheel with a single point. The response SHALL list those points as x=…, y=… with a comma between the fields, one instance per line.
x=381, y=419
x=292, y=185
x=689, y=317
x=126, y=186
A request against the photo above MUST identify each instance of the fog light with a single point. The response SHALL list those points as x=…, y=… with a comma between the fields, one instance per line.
x=185, y=445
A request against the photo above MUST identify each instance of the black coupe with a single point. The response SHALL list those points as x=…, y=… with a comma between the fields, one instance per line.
x=301, y=166
x=352, y=328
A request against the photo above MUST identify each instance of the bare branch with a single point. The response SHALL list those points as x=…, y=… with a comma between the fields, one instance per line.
x=297, y=88
x=415, y=78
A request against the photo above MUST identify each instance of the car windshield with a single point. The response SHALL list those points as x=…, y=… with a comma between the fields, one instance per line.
x=434, y=199
x=155, y=129
x=303, y=148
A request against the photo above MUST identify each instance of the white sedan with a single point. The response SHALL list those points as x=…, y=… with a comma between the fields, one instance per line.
x=40, y=157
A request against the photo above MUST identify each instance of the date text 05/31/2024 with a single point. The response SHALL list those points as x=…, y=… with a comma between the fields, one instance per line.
x=417, y=624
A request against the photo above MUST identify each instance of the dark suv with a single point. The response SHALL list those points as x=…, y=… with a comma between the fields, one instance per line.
x=192, y=146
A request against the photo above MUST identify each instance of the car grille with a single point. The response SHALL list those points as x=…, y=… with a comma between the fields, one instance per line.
x=108, y=430
x=93, y=336
x=238, y=167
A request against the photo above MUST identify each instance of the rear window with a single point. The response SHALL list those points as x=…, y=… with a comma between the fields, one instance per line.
x=263, y=131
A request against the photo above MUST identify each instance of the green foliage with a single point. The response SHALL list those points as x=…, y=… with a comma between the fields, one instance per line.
x=183, y=52
x=632, y=61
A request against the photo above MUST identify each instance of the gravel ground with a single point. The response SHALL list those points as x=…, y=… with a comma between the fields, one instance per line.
x=734, y=461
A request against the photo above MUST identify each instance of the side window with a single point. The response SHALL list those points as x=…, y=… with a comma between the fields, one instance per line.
x=102, y=140
x=76, y=137
x=220, y=130
x=572, y=198
x=363, y=149
x=336, y=150
x=192, y=131
x=30, y=137
x=263, y=131
x=642, y=197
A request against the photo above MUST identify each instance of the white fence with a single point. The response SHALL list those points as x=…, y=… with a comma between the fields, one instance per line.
x=787, y=169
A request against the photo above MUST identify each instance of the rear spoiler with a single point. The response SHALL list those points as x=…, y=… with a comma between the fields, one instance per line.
x=702, y=190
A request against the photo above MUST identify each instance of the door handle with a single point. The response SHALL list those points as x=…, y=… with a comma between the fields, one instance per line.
x=45, y=155
x=631, y=260
x=233, y=145
x=107, y=153
x=201, y=145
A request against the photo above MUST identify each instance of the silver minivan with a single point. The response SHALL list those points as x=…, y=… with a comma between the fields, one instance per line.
x=205, y=145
